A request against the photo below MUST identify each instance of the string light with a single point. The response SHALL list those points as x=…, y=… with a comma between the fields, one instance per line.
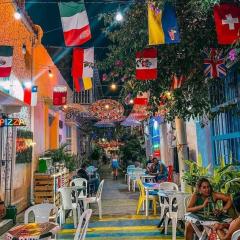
x=119, y=17
x=131, y=101
x=107, y=106
x=113, y=86
x=17, y=15
x=50, y=74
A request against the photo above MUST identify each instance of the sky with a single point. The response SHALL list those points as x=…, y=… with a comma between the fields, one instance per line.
x=46, y=14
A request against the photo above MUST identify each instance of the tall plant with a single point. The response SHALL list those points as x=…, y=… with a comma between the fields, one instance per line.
x=62, y=154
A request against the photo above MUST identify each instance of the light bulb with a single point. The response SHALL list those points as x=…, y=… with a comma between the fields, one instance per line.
x=107, y=106
x=119, y=17
x=28, y=84
x=131, y=101
x=113, y=86
x=17, y=15
x=50, y=74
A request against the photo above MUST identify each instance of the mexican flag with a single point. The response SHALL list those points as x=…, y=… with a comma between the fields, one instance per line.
x=6, y=56
x=76, y=28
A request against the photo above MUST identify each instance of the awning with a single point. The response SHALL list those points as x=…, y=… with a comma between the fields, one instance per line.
x=8, y=100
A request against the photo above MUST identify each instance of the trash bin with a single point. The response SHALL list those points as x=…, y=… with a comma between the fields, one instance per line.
x=11, y=213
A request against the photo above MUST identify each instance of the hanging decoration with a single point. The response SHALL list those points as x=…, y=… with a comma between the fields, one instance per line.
x=214, y=64
x=82, y=68
x=141, y=99
x=6, y=56
x=110, y=144
x=107, y=109
x=104, y=123
x=76, y=28
x=146, y=64
x=162, y=25
x=130, y=122
x=227, y=21
x=59, y=95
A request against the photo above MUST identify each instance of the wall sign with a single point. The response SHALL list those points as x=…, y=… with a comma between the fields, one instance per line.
x=12, y=122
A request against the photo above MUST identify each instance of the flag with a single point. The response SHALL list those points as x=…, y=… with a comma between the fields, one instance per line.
x=162, y=25
x=59, y=95
x=177, y=81
x=214, y=64
x=6, y=56
x=76, y=28
x=30, y=94
x=141, y=99
x=85, y=83
x=146, y=64
x=82, y=68
x=227, y=21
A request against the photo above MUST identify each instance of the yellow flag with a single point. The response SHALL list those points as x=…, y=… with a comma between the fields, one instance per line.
x=87, y=82
x=155, y=30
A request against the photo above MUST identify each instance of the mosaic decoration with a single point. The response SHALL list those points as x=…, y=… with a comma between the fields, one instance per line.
x=111, y=144
x=107, y=109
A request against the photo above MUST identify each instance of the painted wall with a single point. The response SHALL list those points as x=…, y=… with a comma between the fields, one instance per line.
x=15, y=33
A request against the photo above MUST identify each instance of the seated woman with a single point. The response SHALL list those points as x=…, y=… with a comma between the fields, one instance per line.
x=163, y=173
x=224, y=230
x=201, y=199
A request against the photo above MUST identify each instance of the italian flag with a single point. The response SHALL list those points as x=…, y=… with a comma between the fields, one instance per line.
x=76, y=28
x=6, y=56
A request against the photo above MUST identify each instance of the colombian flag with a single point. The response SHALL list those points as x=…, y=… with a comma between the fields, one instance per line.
x=162, y=25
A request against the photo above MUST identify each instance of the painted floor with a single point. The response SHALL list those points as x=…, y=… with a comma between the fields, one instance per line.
x=120, y=227
x=119, y=220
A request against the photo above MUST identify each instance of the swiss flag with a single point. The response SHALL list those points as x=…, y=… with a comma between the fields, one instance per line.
x=146, y=64
x=227, y=20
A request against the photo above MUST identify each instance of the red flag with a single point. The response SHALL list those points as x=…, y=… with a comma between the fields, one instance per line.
x=177, y=82
x=227, y=20
x=146, y=64
x=59, y=95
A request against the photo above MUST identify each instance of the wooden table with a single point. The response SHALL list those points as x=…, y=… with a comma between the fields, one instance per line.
x=32, y=231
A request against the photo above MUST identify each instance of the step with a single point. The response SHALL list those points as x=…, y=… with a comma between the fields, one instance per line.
x=5, y=225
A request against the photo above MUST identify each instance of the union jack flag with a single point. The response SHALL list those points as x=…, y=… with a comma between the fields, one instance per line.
x=214, y=64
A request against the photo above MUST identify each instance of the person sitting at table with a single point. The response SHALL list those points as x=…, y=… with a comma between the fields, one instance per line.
x=149, y=161
x=202, y=199
x=163, y=173
x=82, y=173
x=226, y=230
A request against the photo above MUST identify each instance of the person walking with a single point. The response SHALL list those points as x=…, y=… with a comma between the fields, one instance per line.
x=115, y=166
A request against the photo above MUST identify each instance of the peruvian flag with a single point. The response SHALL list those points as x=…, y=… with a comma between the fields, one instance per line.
x=227, y=20
x=82, y=67
x=76, y=28
x=146, y=64
x=59, y=95
x=6, y=56
x=177, y=81
x=30, y=94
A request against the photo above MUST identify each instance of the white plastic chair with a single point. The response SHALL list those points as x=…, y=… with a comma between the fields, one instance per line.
x=97, y=199
x=129, y=168
x=81, y=182
x=178, y=214
x=83, y=225
x=164, y=204
x=137, y=175
x=41, y=212
x=69, y=204
x=236, y=235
